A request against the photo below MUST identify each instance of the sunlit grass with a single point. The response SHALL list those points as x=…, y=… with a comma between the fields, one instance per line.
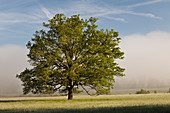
x=82, y=102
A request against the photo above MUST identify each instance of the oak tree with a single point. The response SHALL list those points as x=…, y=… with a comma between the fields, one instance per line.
x=71, y=54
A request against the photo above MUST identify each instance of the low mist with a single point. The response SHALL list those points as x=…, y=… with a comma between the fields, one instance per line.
x=13, y=60
x=147, y=63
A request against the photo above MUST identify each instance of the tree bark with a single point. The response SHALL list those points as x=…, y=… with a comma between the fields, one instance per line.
x=70, y=93
x=70, y=90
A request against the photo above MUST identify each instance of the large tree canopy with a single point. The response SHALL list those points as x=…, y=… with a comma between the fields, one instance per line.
x=72, y=53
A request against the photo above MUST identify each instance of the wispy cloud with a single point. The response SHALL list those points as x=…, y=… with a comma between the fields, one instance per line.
x=150, y=15
x=19, y=11
x=2, y=28
x=145, y=3
x=117, y=19
x=90, y=8
x=12, y=17
x=46, y=11
x=30, y=14
x=86, y=8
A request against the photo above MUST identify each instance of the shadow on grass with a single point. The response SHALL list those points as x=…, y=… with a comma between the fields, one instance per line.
x=31, y=100
x=132, y=109
x=57, y=100
x=7, y=101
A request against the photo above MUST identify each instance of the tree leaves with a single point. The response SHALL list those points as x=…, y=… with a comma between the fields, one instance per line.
x=69, y=53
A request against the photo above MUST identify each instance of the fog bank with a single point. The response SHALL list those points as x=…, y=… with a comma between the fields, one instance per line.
x=147, y=60
x=13, y=60
x=147, y=63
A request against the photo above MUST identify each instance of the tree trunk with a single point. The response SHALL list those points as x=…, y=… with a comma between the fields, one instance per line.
x=70, y=93
x=70, y=90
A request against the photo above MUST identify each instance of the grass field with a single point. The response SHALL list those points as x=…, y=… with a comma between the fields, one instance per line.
x=148, y=103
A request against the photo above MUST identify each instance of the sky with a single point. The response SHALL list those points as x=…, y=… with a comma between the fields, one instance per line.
x=143, y=26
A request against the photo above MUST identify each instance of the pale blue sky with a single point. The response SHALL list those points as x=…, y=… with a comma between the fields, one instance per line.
x=19, y=19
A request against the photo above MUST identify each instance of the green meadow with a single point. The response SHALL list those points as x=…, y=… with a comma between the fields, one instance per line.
x=146, y=103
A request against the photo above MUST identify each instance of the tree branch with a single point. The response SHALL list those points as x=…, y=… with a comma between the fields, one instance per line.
x=85, y=90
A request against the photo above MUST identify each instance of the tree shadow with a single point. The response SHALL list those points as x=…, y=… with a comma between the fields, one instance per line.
x=128, y=109
x=7, y=101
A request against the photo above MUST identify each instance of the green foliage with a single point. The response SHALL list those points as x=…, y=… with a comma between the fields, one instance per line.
x=71, y=53
x=155, y=91
x=169, y=90
x=142, y=91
